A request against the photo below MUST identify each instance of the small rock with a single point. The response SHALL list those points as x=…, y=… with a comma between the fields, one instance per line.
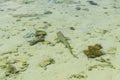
x=92, y=3
x=48, y=12
x=46, y=62
x=78, y=8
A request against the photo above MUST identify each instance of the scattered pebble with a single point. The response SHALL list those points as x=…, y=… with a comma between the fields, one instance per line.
x=92, y=3
x=48, y=12
x=46, y=62
x=78, y=8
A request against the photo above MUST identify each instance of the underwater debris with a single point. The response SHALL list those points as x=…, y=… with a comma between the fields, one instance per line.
x=36, y=40
x=3, y=62
x=62, y=39
x=11, y=70
x=78, y=75
x=24, y=66
x=78, y=8
x=106, y=62
x=27, y=1
x=92, y=3
x=101, y=66
x=46, y=25
x=39, y=37
x=86, y=9
x=72, y=28
x=12, y=67
x=94, y=51
x=48, y=12
x=46, y=62
x=25, y=15
x=40, y=33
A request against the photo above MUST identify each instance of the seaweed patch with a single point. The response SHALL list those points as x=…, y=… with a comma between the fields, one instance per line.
x=81, y=75
x=39, y=37
x=94, y=51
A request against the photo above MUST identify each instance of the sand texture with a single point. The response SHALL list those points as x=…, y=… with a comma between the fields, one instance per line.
x=59, y=39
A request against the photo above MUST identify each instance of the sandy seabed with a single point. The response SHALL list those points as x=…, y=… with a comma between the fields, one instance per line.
x=84, y=22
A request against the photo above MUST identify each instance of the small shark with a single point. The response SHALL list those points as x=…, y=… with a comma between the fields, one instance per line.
x=63, y=39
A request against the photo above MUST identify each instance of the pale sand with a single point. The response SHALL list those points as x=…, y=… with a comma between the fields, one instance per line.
x=92, y=23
